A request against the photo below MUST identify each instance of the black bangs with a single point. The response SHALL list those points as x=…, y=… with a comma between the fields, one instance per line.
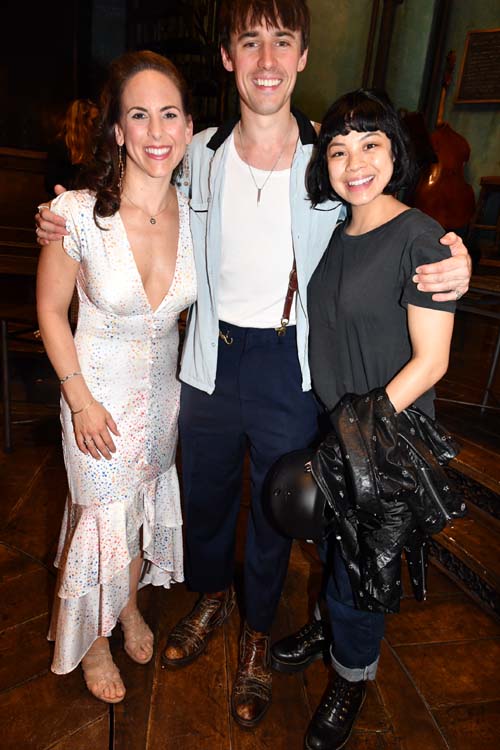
x=363, y=111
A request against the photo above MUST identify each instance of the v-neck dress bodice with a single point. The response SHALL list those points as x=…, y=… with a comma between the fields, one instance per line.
x=128, y=354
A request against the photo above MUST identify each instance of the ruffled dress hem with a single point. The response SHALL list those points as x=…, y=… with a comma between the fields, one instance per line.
x=97, y=545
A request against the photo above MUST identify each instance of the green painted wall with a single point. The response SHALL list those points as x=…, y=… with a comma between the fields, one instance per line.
x=339, y=36
x=478, y=123
x=407, y=58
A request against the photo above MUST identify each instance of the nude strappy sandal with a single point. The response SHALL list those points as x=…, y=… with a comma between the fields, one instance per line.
x=101, y=674
x=138, y=638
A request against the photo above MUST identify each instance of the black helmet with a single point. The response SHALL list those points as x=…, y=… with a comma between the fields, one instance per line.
x=294, y=501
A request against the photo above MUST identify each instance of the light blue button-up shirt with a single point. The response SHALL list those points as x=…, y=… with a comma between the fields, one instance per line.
x=203, y=182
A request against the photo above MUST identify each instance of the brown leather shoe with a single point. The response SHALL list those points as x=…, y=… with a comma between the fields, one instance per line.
x=251, y=696
x=190, y=636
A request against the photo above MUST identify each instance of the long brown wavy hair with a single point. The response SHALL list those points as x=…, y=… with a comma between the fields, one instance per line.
x=103, y=175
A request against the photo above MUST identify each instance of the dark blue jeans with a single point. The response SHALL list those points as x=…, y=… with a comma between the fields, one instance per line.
x=356, y=634
x=258, y=403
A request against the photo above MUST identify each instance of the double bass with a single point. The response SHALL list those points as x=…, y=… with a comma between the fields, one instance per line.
x=442, y=191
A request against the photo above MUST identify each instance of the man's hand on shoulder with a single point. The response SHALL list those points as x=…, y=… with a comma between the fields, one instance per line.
x=49, y=226
x=448, y=278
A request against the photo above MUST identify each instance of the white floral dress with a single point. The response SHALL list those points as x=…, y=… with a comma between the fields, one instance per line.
x=128, y=353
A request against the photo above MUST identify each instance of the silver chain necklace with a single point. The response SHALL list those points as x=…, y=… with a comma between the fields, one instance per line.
x=152, y=217
x=261, y=187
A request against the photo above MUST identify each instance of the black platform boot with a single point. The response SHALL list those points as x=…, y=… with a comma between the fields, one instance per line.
x=295, y=652
x=332, y=724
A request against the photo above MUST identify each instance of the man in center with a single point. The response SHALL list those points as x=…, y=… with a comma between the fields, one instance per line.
x=245, y=374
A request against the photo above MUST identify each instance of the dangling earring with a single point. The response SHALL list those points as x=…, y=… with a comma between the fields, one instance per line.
x=121, y=167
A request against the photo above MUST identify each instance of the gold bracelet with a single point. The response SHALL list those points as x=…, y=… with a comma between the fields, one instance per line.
x=84, y=408
x=68, y=377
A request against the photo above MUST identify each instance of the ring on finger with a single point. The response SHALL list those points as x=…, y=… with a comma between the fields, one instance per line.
x=458, y=294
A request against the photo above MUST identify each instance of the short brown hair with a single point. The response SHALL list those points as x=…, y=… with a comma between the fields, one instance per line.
x=236, y=15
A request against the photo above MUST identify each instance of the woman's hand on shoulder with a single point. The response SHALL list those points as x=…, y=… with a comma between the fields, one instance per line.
x=93, y=427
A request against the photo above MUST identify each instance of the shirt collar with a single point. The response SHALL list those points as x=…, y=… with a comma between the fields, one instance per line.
x=307, y=133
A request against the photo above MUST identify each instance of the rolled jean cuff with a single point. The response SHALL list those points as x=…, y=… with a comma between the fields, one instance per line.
x=356, y=674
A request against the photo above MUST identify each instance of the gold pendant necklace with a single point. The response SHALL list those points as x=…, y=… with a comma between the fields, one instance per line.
x=260, y=188
x=152, y=217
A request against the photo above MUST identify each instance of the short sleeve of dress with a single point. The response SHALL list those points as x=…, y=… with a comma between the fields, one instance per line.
x=424, y=247
x=70, y=206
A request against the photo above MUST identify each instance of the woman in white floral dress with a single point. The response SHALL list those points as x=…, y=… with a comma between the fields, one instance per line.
x=128, y=250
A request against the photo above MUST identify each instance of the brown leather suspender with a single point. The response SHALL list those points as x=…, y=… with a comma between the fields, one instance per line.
x=292, y=288
x=285, y=318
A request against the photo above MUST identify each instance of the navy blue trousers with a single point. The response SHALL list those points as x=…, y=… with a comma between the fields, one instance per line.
x=357, y=634
x=258, y=404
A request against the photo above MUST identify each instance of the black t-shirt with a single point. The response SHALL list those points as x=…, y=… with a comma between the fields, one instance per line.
x=357, y=300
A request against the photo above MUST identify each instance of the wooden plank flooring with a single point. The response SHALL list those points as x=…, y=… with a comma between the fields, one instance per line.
x=437, y=687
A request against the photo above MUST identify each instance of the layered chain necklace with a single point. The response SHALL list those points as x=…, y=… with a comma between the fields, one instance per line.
x=260, y=188
x=152, y=217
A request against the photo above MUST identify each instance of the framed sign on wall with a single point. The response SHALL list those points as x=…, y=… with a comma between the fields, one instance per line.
x=479, y=80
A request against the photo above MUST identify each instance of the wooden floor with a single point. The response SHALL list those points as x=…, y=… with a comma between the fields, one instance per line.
x=437, y=685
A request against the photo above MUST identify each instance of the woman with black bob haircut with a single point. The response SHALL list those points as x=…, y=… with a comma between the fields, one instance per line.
x=373, y=334
x=363, y=110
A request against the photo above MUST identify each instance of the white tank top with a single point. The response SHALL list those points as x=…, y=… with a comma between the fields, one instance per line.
x=257, y=249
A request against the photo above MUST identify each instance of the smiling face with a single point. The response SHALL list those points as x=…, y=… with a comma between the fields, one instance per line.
x=360, y=166
x=265, y=62
x=153, y=126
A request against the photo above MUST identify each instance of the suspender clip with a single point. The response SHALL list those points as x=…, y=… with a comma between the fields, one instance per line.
x=226, y=337
x=281, y=330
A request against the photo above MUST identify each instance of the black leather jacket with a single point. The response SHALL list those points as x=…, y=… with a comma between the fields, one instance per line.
x=382, y=475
